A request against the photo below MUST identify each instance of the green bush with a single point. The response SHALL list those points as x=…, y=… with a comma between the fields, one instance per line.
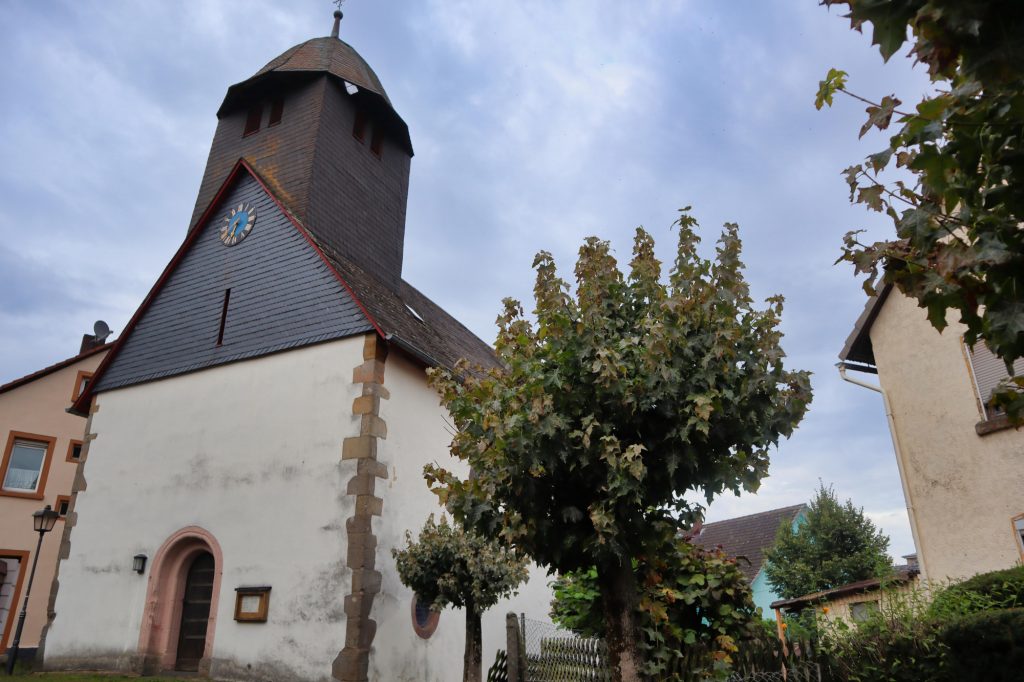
x=984, y=592
x=899, y=643
x=971, y=631
x=986, y=646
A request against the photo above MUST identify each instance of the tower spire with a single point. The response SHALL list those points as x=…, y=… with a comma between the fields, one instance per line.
x=337, y=19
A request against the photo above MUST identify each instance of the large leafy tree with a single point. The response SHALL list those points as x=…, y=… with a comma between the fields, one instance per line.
x=615, y=401
x=959, y=245
x=449, y=566
x=835, y=545
x=689, y=596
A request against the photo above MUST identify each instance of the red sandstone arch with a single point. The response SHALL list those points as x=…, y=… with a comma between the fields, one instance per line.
x=161, y=619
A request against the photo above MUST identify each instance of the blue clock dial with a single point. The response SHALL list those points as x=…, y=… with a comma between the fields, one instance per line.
x=238, y=224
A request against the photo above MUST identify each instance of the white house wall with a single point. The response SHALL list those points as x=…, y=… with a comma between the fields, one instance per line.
x=248, y=451
x=419, y=432
x=964, y=488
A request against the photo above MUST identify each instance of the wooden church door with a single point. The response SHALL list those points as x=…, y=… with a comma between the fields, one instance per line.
x=195, y=613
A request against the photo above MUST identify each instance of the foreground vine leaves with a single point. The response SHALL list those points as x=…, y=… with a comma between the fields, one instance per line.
x=959, y=242
x=622, y=394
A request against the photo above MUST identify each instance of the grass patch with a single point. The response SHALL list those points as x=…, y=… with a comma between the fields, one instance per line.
x=88, y=677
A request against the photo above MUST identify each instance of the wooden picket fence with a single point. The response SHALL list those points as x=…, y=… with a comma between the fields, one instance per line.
x=548, y=654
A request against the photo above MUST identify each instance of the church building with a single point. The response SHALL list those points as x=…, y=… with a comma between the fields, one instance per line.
x=256, y=436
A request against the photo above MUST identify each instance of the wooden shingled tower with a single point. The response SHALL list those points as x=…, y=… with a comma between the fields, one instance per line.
x=317, y=125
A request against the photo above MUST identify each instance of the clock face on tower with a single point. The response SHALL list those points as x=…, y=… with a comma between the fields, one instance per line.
x=238, y=224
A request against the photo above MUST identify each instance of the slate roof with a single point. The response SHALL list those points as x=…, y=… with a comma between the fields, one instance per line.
x=28, y=378
x=435, y=337
x=429, y=334
x=747, y=536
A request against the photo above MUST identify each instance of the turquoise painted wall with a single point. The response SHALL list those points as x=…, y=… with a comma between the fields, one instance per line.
x=763, y=593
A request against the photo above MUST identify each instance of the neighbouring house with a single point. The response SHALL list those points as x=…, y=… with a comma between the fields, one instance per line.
x=857, y=601
x=960, y=463
x=42, y=446
x=257, y=435
x=746, y=538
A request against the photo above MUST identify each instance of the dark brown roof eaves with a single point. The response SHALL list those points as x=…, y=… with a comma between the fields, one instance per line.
x=435, y=337
x=858, y=343
x=902, y=574
x=404, y=316
x=747, y=536
x=28, y=378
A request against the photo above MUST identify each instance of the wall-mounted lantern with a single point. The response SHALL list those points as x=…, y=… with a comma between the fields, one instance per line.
x=139, y=563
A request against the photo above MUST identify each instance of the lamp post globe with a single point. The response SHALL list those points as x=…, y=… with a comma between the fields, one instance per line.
x=42, y=523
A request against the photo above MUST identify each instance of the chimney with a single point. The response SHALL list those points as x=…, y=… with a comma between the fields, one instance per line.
x=911, y=560
x=88, y=343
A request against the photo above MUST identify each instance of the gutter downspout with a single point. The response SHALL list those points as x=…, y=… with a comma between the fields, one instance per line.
x=907, y=497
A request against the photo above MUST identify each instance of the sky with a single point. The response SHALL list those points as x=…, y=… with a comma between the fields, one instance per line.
x=535, y=124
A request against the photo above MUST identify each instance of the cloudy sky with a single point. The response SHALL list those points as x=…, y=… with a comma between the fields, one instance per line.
x=536, y=123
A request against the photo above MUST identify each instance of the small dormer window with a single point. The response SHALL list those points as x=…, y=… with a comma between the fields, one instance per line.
x=276, y=111
x=253, y=120
x=377, y=142
x=359, y=127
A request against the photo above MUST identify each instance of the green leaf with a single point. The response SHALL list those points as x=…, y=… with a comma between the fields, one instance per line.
x=834, y=81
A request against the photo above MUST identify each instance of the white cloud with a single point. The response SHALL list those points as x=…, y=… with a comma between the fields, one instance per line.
x=535, y=123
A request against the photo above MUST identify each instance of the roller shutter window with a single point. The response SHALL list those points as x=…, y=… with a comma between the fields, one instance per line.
x=988, y=371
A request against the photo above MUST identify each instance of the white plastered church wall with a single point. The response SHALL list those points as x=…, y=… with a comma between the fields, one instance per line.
x=419, y=432
x=249, y=451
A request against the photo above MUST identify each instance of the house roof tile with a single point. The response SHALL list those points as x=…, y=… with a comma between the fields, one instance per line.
x=747, y=536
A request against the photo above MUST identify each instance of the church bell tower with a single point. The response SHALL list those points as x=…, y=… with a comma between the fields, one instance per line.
x=318, y=127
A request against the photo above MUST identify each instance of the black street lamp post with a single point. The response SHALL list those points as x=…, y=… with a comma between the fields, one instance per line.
x=42, y=523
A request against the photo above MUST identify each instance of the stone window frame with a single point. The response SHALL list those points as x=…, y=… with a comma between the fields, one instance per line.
x=44, y=470
x=79, y=387
x=1017, y=523
x=56, y=506
x=69, y=457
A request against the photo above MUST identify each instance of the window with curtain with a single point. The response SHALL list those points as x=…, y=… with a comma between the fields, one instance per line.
x=25, y=466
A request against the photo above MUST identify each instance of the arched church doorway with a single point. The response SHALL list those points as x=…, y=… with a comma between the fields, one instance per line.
x=195, y=613
x=180, y=616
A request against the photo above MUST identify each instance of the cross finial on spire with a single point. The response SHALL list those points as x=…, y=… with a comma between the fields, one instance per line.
x=337, y=18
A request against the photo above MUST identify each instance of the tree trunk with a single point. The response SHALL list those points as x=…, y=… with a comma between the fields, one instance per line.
x=472, y=661
x=619, y=600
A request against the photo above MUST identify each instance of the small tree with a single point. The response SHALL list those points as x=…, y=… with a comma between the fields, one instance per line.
x=449, y=566
x=689, y=596
x=958, y=244
x=610, y=407
x=835, y=545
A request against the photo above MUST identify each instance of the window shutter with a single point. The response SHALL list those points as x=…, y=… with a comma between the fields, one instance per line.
x=989, y=371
